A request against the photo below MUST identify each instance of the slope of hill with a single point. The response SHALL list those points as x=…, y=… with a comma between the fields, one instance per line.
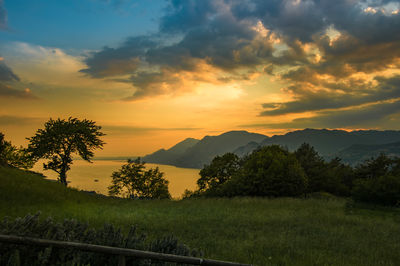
x=246, y=230
x=203, y=151
x=360, y=152
x=210, y=146
x=170, y=156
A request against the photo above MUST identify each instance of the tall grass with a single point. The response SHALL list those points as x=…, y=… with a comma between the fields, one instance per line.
x=262, y=231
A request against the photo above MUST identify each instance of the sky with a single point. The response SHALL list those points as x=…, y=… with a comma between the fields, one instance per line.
x=155, y=72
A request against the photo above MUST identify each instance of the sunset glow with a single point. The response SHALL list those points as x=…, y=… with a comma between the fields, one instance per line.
x=153, y=73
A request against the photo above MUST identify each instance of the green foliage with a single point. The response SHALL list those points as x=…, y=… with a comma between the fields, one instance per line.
x=270, y=171
x=60, y=139
x=374, y=167
x=13, y=156
x=313, y=165
x=133, y=181
x=187, y=194
x=74, y=231
x=338, y=178
x=383, y=190
x=220, y=170
x=378, y=181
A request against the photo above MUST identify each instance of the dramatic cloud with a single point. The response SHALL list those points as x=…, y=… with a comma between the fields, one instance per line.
x=341, y=95
x=3, y=16
x=331, y=55
x=215, y=38
x=380, y=114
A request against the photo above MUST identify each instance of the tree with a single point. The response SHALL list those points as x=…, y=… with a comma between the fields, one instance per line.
x=13, y=156
x=220, y=170
x=133, y=181
x=60, y=139
x=269, y=171
x=313, y=165
x=374, y=167
x=378, y=181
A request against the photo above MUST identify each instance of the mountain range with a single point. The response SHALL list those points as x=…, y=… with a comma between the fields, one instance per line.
x=352, y=146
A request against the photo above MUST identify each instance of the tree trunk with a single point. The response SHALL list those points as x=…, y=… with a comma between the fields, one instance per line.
x=63, y=177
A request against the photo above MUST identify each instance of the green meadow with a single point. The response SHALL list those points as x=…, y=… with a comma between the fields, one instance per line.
x=284, y=231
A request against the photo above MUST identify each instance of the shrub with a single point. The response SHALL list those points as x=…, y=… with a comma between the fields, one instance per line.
x=72, y=230
x=383, y=190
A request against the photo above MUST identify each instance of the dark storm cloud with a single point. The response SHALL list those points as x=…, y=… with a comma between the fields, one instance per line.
x=223, y=35
x=3, y=16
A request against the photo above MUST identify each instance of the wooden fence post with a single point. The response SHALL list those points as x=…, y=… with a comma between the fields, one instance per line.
x=121, y=260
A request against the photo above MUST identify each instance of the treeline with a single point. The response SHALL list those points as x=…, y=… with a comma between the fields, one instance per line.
x=273, y=171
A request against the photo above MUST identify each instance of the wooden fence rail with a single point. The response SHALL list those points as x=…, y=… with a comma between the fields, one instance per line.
x=121, y=252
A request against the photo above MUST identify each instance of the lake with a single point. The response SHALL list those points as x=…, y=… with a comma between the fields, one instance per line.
x=96, y=176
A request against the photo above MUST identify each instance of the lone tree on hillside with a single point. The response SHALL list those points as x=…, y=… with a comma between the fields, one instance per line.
x=133, y=181
x=60, y=139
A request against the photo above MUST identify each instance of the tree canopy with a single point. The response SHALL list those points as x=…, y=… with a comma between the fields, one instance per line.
x=62, y=138
x=220, y=170
x=134, y=181
x=13, y=156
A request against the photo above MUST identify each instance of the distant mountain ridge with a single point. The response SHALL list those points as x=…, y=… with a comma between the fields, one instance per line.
x=194, y=153
x=200, y=152
x=359, y=152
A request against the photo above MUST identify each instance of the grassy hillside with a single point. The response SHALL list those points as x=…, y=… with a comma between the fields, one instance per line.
x=253, y=230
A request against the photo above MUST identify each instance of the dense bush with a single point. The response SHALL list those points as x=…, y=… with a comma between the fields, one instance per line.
x=378, y=181
x=74, y=231
x=383, y=190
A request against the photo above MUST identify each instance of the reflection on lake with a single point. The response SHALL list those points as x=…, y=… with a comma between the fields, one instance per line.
x=96, y=176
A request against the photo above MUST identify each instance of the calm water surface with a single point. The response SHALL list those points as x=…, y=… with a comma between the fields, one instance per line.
x=96, y=176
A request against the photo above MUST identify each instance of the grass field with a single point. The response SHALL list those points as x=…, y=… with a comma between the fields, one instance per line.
x=250, y=230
